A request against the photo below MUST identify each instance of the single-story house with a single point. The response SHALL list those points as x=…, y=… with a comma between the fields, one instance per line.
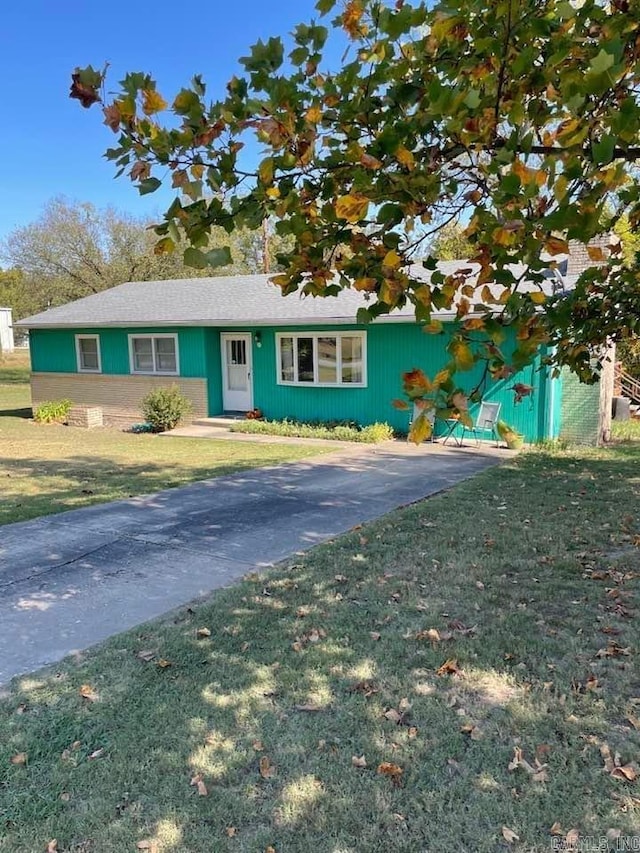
x=235, y=343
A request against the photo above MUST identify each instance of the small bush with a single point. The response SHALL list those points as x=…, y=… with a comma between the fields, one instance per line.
x=371, y=434
x=52, y=412
x=164, y=408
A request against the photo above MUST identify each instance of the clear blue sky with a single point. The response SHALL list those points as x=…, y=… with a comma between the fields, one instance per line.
x=49, y=145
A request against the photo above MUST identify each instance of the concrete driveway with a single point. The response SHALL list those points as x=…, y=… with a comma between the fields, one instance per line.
x=68, y=581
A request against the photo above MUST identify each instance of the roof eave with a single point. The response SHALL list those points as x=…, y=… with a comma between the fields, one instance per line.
x=225, y=323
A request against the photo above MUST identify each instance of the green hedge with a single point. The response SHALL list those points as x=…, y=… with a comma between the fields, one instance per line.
x=371, y=434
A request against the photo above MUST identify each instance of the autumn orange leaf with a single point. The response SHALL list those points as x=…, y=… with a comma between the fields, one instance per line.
x=87, y=692
x=198, y=783
x=352, y=207
x=267, y=770
x=393, y=771
x=449, y=667
x=152, y=102
x=556, y=246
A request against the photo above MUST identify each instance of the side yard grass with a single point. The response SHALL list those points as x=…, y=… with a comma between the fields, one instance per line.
x=15, y=368
x=51, y=468
x=459, y=675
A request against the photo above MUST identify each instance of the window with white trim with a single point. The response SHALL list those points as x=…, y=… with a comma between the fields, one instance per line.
x=322, y=358
x=88, y=354
x=154, y=354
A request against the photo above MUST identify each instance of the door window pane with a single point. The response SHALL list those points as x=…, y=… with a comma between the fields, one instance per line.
x=143, y=354
x=286, y=360
x=305, y=359
x=89, y=354
x=237, y=352
x=352, y=360
x=327, y=360
x=165, y=355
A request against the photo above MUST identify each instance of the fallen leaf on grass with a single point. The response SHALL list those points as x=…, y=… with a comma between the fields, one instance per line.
x=231, y=831
x=52, y=846
x=375, y=635
x=571, y=839
x=358, y=761
x=449, y=667
x=146, y=655
x=95, y=754
x=65, y=796
x=613, y=650
x=509, y=835
x=19, y=758
x=309, y=708
x=87, y=692
x=367, y=688
x=615, y=768
x=473, y=731
x=163, y=663
x=538, y=772
x=556, y=829
x=393, y=771
x=267, y=770
x=635, y=722
x=148, y=844
x=201, y=633
x=433, y=635
x=626, y=772
x=258, y=745
x=198, y=783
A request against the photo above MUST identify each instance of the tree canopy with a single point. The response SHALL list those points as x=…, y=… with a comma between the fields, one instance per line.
x=523, y=115
x=75, y=249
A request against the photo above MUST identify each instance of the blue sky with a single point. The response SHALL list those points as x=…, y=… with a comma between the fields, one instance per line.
x=49, y=145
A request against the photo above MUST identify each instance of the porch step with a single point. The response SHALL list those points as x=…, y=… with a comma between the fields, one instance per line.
x=220, y=420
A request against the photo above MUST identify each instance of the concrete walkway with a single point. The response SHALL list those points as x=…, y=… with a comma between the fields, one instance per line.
x=68, y=581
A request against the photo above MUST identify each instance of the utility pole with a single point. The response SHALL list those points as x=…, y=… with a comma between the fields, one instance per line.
x=265, y=245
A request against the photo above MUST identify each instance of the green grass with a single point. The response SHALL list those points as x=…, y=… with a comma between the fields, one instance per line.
x=626, y=430
x=47, y=468
x=539, y=557
x=14, y=368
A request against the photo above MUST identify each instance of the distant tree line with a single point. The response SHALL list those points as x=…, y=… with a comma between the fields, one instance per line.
x=75, y=249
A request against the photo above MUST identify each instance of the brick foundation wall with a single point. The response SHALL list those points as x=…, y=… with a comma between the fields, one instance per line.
x=119, y=397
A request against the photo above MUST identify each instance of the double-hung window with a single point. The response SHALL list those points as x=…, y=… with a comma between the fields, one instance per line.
x=88, y=354
x=322, y=358
x=154, y=354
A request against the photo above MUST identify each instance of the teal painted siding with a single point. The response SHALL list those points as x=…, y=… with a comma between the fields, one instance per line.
x=54, y=350
x=213, y=356
x=392, y=348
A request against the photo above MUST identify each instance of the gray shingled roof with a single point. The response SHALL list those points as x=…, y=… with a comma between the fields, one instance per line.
x=220, y=301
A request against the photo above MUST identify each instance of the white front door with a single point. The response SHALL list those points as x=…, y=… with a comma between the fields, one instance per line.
x=237, y=385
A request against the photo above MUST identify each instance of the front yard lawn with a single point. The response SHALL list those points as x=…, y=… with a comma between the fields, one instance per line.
x=51, y=468
x=15, y=367
x=460, y=675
